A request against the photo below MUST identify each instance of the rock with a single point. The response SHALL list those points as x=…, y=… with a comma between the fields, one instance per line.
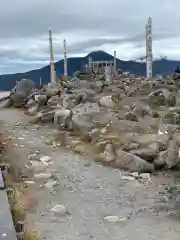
x=141, y=110
x=114, y=219
x=32, y=111
x=60, y=210
x=76, y=75
x=132, y=163
x=172, y=159
x=160, y=160
x=171, y=118
x=94, y=135
x=109, y=154
x=130, y=146
x=21, y=92
x=97, y=86
x=145, y=176
x=45, y=159
x=38, y=167
x=43, y=176
x=53, y=101
x=128, y=178
x=30, y=103
x=107, y=101
x=162, y=97
x=131, y=116
x=51, y=184
x=63, y=119
x=40, y=100
x=52, y=89
x=7, y=103
x=34, y=157
x=147, y=139
x=83, y=116
x=149, y=153
x=47, y=115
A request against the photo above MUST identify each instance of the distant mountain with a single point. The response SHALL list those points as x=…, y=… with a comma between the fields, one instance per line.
x=163, y=66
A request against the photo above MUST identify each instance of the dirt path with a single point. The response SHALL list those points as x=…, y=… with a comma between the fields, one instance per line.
x=92, y=192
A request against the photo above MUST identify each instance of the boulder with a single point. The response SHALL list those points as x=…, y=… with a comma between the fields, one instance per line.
x=172, y=158
x=32, y=111
x=40, y=99
x=108, y=155
x=52, y=89
x=7, y=103
x=63, y=119
x=149, y=153
x=53, y=101
x=107, y=101
x=131, y=162
x=141, y=110
x=21, y=92
x=171, y=118
x=162, y=97
x=83, y=115
x=47, y=115
x=160, y=160
x=131, y=116
x=30, y=103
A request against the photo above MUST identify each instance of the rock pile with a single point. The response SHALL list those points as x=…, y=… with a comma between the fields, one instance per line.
x=133, y=122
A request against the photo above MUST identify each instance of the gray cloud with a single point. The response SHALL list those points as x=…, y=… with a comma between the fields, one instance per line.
x=87, y=25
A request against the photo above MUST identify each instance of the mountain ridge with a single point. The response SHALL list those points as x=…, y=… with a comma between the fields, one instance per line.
x=163, y=66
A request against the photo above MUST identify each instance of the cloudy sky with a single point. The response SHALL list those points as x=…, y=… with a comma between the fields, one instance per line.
x=87, y=26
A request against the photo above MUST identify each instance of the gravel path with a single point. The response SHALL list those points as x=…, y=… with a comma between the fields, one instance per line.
x=91, y=192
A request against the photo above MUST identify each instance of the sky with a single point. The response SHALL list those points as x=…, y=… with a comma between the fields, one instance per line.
x=87, y=26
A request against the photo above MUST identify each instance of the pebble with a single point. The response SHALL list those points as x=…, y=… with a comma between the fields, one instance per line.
x=42, y=176
x=22, y=146
x=45, y=159
x=128, y=178
x=60, y=209
x=29, y=182
x=145, y=176
x=33, y=156
x=114, y=219
x=20, y=138
x=50, y=184
x=134, y=174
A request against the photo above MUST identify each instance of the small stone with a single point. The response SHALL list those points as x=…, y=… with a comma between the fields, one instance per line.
x=50, y=184
x=20, y=138
x=114, y=219
x=128, y=178
x=60, y=209
x=29, y=182
x=42, y=176
x=45, y=159
x=33, y=157
x=145, y=176
x=22, y=146
x=134, y=174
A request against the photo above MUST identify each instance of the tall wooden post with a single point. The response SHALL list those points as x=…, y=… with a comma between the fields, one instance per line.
x=149, y=57
x=65, y=59
x=52, y=68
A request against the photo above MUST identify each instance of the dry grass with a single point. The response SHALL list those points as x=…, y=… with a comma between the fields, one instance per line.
x=29, y=234
x=19, y=201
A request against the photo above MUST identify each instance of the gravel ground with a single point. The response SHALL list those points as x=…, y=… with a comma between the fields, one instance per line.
x=91, y=192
